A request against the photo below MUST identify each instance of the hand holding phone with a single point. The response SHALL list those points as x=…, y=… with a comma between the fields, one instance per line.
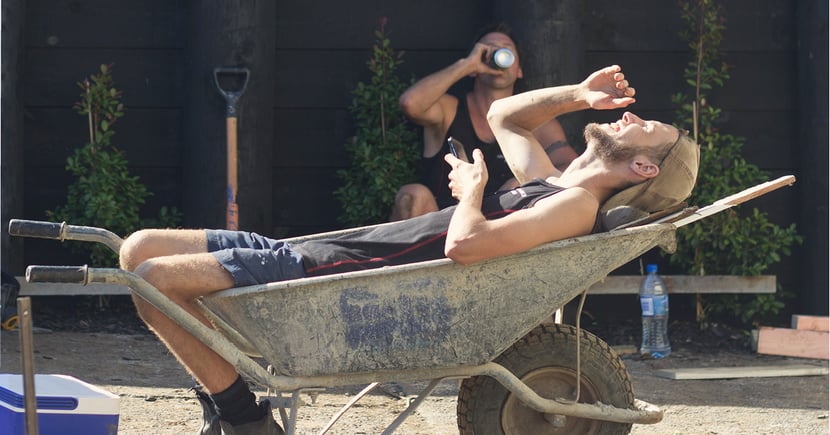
x=457, y=149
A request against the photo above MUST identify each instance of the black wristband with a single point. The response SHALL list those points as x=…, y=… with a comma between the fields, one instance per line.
x=555, y=146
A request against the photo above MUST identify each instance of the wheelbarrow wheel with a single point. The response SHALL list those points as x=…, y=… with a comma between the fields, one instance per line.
x=545, y=360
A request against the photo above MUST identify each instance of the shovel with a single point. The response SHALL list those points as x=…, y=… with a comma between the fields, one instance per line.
x=238, y=76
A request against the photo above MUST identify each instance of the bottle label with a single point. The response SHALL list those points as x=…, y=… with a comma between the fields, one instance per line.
x=654, y=305
x=647, y=305
x=661, y=305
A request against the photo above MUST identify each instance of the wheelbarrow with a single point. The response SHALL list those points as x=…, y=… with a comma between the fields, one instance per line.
x=433, y=320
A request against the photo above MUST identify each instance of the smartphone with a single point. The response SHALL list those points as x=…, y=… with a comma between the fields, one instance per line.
x=457, y=149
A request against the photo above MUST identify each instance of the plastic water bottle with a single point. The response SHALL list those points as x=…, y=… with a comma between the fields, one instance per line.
x=654, y=302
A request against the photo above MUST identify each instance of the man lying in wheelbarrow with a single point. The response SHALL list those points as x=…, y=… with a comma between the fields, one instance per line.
x=649, y=165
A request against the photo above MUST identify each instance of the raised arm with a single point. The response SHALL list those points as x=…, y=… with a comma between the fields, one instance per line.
x=427, y=103
x=513, y=119
x=422, y=102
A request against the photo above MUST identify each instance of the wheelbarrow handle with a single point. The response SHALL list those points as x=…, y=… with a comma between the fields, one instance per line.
x=231, y=95
x=38, y=229
x=65, y=274
x=63, y=231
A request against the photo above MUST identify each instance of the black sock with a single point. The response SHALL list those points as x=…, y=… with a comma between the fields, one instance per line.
x=237, y=404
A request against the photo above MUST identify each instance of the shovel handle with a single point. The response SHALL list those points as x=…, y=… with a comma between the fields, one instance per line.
x=232, y=209
x=231, y=95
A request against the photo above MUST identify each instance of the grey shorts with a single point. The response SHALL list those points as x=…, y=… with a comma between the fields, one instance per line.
x=254, y=259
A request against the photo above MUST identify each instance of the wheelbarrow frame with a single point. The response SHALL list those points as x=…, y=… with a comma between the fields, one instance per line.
x=235, y=345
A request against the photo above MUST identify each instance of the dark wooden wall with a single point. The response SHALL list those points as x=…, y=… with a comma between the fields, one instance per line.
x=11, y=143
x=307, y=55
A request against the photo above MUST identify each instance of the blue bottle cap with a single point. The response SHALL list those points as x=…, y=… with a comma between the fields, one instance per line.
x=651, y=268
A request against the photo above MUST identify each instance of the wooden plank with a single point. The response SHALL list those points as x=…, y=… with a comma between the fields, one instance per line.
x=303, y=143
x=352, y=24
x=742, y=372
x=811, y=323
x=626, y=349
x=764, y=132
x=62, y=289
x=661, y=86
x=314, y=204
x=735, y=199
x=148, y=78
x=149, y=137
x=46, y=189
x=793, y=342
x=254, y=39
x=756, y=191
x=546, y=42
x=763, y=27
x=738, y=94
x=13, y=134
x=685, y=284
x=810, y=212
x=740, y=91
x=80, y=23
x=607, y=26
x=327, y=80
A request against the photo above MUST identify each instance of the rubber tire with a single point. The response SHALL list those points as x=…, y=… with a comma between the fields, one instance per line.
x=548, y=352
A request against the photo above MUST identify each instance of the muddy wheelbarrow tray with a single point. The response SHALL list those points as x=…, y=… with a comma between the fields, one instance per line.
x=423, y=321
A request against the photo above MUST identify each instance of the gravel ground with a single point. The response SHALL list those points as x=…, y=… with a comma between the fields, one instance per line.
x=106, y=346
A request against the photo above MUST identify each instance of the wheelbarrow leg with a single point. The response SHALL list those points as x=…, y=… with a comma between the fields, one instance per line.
x=412, y=406
x=289, y=419
x=368, y=389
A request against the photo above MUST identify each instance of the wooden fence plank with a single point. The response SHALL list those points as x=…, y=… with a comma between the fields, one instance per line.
x=81, y=23
x=685, y=284
x=149, y=78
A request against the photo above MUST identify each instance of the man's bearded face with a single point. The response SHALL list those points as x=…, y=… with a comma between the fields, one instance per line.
x=606, y=147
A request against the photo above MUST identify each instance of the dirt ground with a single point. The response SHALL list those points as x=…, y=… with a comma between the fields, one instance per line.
x=155, y=396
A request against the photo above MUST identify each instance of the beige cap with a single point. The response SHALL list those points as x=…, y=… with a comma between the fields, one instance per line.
x=674, y=183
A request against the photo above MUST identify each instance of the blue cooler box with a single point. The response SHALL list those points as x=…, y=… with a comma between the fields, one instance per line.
x=65, y=406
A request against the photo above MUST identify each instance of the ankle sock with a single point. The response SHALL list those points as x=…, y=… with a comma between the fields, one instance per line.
x=237, y=404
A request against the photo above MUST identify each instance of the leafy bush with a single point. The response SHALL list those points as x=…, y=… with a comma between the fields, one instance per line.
x=104, y=193
x=384, y=150
x=739, y=241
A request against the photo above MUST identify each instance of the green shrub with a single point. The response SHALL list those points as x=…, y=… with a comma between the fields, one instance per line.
x=740, y=241
x=104, y=194
x=384, y=150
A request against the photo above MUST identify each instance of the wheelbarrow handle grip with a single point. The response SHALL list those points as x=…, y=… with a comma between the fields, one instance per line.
x=39, y=229
x=66, y=274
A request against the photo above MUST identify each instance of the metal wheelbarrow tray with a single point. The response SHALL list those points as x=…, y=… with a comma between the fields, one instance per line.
x=429, y=320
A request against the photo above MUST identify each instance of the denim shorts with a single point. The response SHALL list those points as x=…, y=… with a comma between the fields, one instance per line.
x=254, y=259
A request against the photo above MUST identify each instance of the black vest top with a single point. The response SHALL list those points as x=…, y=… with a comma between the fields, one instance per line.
x=434, y=170
x=418, y=239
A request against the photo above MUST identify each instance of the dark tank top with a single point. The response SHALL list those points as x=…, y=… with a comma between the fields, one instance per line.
x=418, y=239
x=434, y=170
